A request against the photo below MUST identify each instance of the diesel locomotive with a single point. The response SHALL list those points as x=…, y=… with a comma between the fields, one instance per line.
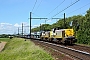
x=59, y=35
x=65, y=36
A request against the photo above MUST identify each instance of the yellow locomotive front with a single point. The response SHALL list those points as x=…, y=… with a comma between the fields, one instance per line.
x=45, y=35
x=63, y=36
x=69, y=36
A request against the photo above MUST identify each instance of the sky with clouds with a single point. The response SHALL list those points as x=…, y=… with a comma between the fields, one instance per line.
x=15, y=12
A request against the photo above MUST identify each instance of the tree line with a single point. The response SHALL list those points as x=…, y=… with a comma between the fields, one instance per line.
x=80, y=24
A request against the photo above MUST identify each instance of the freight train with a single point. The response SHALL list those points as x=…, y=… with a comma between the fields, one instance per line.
x=65, y=36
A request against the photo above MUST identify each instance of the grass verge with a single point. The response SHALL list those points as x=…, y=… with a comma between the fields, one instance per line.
x=18, y=49
x=5, y=39
x=83, y=44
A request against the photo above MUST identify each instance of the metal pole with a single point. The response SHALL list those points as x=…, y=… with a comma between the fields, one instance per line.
x=45, y=21
x=64, y=21
x=40, y=27
x=18, y=30
x=30, y=24
x=22, y=29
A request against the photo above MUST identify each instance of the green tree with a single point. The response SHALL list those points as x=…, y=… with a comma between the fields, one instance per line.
x=80, y=24
x=84, y=31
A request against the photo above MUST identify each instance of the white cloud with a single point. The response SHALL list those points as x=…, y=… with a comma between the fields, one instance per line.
x=25, y=23
x=42, y=23
x=49, y=21
x=36, y=25
x=17, y=25
x=7, y=28
x=5, y=24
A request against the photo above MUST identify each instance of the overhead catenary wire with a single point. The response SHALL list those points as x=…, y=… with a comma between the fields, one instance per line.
x=36, y=22
x=39, y=5
x=56, y=7
x=63, y=9
x=51, y=11
x=83, y=13
x=66, y=8
x=79, y=8
x=34, y=5
x=35, y=14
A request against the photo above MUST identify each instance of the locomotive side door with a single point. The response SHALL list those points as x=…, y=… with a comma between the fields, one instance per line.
x=63, y=36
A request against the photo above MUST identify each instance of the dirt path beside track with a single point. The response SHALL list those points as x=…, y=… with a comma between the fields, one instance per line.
x=2, y=44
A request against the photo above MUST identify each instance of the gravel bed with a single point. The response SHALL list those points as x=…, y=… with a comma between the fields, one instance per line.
x=79, y=47
x=56, y=54
x=65, y=51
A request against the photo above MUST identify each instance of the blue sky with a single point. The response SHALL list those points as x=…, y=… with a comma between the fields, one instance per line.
x=15, y=12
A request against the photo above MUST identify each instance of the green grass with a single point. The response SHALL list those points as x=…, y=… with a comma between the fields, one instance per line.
x=18, y=49
x=83, y=44
x=5, y=39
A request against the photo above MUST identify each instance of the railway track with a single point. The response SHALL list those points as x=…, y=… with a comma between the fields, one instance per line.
x=81, y=48
x=67, y=50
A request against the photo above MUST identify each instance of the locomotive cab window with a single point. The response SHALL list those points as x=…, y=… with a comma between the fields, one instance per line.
x=54, y=30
